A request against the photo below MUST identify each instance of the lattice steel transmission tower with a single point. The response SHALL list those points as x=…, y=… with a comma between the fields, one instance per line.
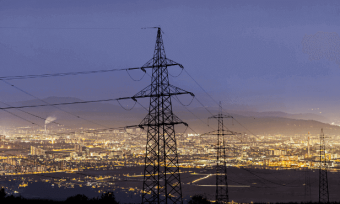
x=222, y=195
x=323, y=180
x=162, y=183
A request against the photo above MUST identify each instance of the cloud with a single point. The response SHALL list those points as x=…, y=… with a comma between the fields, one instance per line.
x=322, y=45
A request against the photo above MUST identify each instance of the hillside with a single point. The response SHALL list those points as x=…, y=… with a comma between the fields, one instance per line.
x=112, y=115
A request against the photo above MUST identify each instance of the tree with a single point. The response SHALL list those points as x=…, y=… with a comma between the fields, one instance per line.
x=199, y=199
x=108, y=197
x=2, y=194
x=76, y=198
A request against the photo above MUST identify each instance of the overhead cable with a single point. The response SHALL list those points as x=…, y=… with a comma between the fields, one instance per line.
x=216, y=103
x=66, y=74
x=61, y=104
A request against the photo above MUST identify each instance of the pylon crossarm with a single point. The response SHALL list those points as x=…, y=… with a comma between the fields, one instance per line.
x=146, y=92
x=233, y=133
x=177, y=91
x=148, y=64
x=228, y=132
x=157, y=95
x=170, y=62
x=132, y=126
x=167, y=62
x=143, y=93
x=172, y=123
x=223, y=133
x=147, y=121
x=209, y=133
x=220, y=116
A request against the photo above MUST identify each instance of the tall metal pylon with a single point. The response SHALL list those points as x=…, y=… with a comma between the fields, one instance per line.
x=162, y=183
x=222, y=195
x=323, y=180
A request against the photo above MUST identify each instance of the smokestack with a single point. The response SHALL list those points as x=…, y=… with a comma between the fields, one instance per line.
x=48, y=120
x=308, y=151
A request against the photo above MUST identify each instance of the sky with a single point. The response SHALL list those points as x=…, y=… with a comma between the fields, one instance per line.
x=277, y=55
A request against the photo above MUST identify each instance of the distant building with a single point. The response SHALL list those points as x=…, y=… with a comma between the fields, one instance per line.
x=276, y=152
x=37, y=151
x=73, y=154
x=129, y=130
x=79, y=148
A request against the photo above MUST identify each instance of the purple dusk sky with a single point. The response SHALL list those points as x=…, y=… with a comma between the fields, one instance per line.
x=268, y=55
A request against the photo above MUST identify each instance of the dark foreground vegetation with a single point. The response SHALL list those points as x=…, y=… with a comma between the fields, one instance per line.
x=106, y=198
x=299, y=203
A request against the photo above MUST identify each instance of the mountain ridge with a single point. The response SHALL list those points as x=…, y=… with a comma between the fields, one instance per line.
x=110, y=115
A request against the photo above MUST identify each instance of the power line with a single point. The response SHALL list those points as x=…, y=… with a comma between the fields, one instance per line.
x=192, y=99
x=66, y=74
x=251, y=172
x=193, y=114
x=204, y=106
x=92, y=72
x=176, y=98
x=21, y=118
x=133, y=78
x=127, y=109
x=30, y=114
x=63, y=28
x=90, y=131
x=85, y=72
x=216, y=103
x=54, y=104
x=61, y=104
x=212, y=114
x=56, y=134
x=143, y=106
x=201, y=87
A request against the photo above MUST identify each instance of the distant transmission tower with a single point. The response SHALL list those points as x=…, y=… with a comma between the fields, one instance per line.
x=323, y=180
x=162, y=183
x=222, y=195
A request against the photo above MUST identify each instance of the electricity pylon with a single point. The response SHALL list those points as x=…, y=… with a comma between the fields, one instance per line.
x=323, y=180
x=222, y=195
x=162, y=183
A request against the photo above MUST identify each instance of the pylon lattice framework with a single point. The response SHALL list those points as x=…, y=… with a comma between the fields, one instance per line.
x=162, y=183
x=323, y=180
x=222, y=195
